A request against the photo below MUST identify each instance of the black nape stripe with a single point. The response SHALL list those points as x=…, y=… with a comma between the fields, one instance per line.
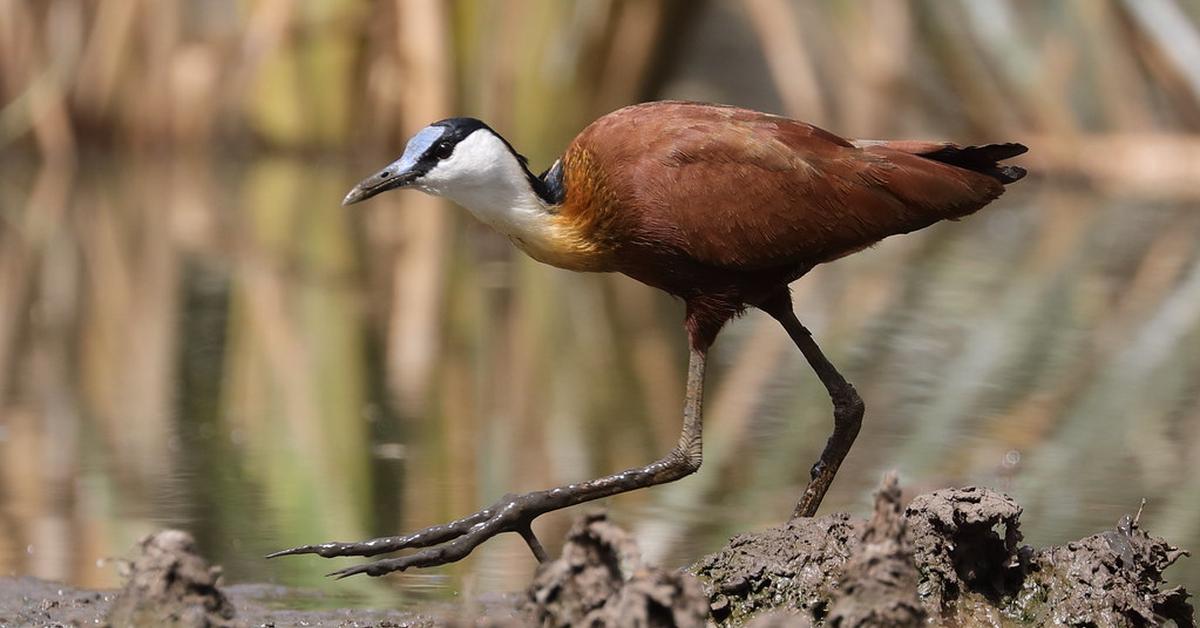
x=549, y=186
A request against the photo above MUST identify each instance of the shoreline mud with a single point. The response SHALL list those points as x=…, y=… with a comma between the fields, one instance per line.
x=950, y=557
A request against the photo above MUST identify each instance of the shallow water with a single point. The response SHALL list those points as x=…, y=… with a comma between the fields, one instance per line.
x=216, y=345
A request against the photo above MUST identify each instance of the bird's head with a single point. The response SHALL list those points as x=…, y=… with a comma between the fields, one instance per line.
x=467, y=162
x=459, y=158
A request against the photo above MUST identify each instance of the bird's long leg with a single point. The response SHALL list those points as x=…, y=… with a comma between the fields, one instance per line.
x=847, y=409
x=514, y=513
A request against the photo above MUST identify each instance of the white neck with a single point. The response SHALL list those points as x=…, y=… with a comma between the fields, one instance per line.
x=485, y=177
x=506, y=203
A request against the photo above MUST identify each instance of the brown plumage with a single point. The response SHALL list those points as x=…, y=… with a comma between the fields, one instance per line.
x=720, y=206
x=731, y=204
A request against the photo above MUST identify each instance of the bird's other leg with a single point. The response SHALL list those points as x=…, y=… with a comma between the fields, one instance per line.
x=515, y=513
x=847, y=407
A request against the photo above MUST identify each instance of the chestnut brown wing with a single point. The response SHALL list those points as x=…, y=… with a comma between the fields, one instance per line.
x=740, y=189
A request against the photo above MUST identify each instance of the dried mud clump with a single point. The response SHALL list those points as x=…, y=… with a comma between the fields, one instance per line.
x=879, y=584
x=600, y=580
x=966, y=542
x=1107, y=579
x=953, y=558
x=795, y=567
x=169, y=584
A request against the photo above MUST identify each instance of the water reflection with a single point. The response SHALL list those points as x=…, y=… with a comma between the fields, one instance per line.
x=217, y=345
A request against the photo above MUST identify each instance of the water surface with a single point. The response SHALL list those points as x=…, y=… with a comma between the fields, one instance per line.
x=216, y=345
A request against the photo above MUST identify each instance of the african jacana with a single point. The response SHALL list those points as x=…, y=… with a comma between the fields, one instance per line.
x=720, y=206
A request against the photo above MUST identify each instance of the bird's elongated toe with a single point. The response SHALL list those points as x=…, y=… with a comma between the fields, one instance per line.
x=382, y=545
x=443, y=544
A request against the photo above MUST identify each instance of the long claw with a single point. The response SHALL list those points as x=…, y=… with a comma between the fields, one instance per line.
x=433, y=556
x=443, y=543
x=302, y=549
x=430, y=557
x=375, y=569
x=535, y=545
x=347, y=572
x=421, y=538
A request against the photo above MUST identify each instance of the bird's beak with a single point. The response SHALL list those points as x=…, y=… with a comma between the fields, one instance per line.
x=389, y=178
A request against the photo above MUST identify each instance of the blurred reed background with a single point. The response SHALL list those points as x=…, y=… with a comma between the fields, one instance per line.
x=194, y=333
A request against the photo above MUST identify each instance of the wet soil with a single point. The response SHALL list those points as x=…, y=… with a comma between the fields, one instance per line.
x=32, y=602
x=169, y=584
x=951, y=557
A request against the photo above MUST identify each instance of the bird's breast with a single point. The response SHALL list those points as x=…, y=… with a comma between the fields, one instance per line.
x=557, y=242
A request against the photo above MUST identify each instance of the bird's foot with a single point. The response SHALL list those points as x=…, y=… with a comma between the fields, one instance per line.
x=443, y=544
x=452, y=541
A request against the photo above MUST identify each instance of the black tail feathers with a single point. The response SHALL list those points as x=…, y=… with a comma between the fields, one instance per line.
x=983, y=159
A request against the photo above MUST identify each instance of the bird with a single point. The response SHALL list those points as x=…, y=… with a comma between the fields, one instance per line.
x=720, y=206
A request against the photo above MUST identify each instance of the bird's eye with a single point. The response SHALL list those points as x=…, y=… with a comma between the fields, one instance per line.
x=443, y=150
